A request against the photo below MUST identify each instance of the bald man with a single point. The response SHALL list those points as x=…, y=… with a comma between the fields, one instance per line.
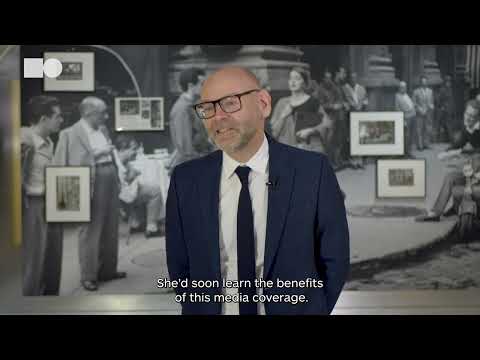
x=254, y=210
x=404, y=103
x=87, y=143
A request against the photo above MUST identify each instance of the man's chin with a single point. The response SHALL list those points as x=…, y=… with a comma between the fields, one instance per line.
x=229, y=148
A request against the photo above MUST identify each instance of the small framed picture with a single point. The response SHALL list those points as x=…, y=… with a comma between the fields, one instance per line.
x=78, y=72
x=401, y=179
x=139, y=114
x=377, y=133
x=67, y=194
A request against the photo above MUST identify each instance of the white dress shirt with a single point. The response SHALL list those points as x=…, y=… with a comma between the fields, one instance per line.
x=230, y=187
x=42, y=157
x=97, y=141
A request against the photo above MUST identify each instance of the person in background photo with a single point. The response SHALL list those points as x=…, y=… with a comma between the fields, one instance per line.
x=299, y=120
x=88, y=143
x=404, y=104
x=445, y=107
x=42, y=243
x=187, y=133
x=331, y=100
x=466, y=141
x=137, y=193
x=424, y=106
x=357, y=99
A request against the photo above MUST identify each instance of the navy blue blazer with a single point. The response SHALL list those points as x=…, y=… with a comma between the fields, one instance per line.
x=307, y=231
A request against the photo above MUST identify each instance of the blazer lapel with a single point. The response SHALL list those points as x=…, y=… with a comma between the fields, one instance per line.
x=208, y=191
x=279, y=198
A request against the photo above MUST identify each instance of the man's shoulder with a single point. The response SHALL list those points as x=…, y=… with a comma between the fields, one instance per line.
x=300, y=158
x=70, y=128
x=26, y=136
x=181, y=105
x=283, y=100
x=196, y=166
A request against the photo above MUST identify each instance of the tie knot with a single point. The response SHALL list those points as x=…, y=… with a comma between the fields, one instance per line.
x=242, y=173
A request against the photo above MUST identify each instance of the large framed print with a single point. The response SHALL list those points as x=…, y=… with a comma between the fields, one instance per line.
x=404, y=179
x=377, y=133
x=139, y=114
x=78, y=72
x=67, y=194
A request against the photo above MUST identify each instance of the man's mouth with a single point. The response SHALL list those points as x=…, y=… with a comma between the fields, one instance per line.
x=223, y=131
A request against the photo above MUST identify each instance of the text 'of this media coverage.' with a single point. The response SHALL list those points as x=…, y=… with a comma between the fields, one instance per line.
x=240, y=285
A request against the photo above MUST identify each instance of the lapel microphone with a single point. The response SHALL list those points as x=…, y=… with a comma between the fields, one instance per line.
x=272, y=184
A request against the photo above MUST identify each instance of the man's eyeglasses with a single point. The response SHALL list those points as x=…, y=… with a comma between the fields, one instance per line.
x=229, y=104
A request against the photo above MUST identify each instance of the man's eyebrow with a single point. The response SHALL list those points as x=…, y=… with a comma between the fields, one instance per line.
x=220, y=98
x=233, y=93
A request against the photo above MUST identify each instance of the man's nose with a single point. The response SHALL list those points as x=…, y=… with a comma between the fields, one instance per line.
x=219, y=111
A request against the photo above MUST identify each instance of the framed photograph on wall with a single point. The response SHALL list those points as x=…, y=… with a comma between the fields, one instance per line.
x=139, y=114
x=377, y=133
x=67, y=194
x=404, y=179
x=78, y=72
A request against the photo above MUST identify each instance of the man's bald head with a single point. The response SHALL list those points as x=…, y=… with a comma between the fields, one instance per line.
x=243, y=79
x=90, y=105
x=94, y=110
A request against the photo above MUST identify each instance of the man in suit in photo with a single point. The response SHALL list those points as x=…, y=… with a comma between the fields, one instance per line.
x=87, y=143
x=42, y=242
x=445, y=111
x=255, y=209
x=424, y=106
x=404, y=103
x=357, y=99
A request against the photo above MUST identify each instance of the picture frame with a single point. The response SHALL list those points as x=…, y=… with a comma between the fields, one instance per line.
x=401, y=179
x=377, y=133
x=78, y=72
x=67, y=194
x=139, y=114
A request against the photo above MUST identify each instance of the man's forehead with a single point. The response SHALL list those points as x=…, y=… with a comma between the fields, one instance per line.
x=227, y=82
x=217, y=91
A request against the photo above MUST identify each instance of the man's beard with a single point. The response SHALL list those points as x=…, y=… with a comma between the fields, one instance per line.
x=244, y=140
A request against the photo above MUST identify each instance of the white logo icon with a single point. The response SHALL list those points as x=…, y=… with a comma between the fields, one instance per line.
x=35, y=68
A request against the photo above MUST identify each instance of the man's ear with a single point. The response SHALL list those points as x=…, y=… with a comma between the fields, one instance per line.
x=265, y=101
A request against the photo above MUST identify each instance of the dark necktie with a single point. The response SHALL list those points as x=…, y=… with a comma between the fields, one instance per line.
x=246, y=243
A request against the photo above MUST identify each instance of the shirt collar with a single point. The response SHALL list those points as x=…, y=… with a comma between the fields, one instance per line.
x=38, y=141
x=476, y=127
x=88, y=128
x=258, y=163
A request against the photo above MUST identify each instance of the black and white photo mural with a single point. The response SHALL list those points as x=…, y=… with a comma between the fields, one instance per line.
x=425, y=236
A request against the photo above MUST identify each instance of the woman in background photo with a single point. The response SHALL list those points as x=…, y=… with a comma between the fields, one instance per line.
x=299, y=120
